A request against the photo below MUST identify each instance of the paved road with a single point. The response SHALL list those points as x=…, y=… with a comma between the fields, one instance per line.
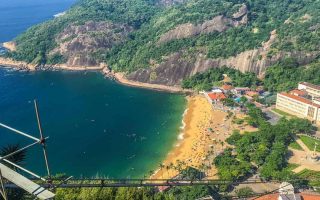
x=272, y=117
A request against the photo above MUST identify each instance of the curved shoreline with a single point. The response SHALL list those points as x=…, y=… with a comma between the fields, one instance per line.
x=192, y=150
x=117, y=76
x=182, y=128
x=103, y=68
x=120, y=78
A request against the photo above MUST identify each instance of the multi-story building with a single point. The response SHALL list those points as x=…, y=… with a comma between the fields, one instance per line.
x=311, y=89
x=300, y=103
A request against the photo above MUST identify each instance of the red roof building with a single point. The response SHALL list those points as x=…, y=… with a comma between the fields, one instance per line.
x=301, y=99
x=297, y=92
x=227, y=87
x=252, y=93
x=216, y=96
x=303, y=196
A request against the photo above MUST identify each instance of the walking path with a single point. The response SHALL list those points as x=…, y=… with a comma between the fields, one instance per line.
x=304, y=158
x=303, y=146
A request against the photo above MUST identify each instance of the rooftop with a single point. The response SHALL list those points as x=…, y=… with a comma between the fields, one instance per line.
x=301, y=99
x=317, y=87
x=216, y=96
x=216, y=90
x=242, y=88
x=227, y=87
x=252, y=93
x=298, y=92
x=304, y=196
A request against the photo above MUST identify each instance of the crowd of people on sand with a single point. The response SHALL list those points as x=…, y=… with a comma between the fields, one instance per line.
x=205, y=133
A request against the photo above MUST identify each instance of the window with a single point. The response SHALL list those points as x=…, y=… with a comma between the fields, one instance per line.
x=311, y=111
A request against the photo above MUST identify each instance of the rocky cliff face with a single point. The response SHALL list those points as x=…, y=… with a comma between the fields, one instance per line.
x=217, y=24
x=177, y=67
x=79, y=42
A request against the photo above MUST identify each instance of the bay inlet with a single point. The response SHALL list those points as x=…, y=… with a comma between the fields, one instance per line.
x=96, y=126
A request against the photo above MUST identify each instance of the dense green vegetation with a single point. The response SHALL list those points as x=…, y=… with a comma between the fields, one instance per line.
x=213, y=77
x=286, y=74
x=35, y=44
x=151, y=21
x=265, y=150
x=301, y=30
x=175, y=193
x=264, y=16
x=230, y=168
x=314, y=176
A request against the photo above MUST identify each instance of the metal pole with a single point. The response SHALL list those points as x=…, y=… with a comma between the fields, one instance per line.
x=3, y=191
x=15, y=152
x=42, y=139
x=19, y=132
x=23, y=169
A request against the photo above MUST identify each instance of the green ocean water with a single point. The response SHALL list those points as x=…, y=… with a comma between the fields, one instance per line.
x=96, y=126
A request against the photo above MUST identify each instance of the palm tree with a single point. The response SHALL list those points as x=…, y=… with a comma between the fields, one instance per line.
x=151, y=172
x=171, y=165
x=202, y=169
x=167, y=168
x=161, y=167
x=17, y=158
x=179, y=166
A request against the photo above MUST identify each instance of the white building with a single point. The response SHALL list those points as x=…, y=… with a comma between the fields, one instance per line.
x=298, y=106
x=286, y=191
x=311, y=89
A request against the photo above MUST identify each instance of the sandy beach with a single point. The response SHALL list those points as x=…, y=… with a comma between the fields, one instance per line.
x=120, y=77
x=9, y=45
x=203, y=138
x=21, y=65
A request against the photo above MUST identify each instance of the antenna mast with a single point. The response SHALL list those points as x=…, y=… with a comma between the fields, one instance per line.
x=42, y=139
x=16, y=178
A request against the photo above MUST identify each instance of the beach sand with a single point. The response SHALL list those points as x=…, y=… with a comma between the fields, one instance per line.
x=200, y=144
x=10, y=46
x=121, y=78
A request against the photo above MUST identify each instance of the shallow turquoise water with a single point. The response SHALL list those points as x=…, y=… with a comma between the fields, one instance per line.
x=96, y=126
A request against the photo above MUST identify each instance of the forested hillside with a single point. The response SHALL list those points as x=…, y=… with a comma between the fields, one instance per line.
x=182, y=37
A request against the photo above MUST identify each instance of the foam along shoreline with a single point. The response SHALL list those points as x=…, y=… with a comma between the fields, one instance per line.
x=183, y=126
x=194, y=144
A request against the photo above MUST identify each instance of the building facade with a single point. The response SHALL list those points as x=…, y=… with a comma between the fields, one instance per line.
x=311, y=89
x=298, y=106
